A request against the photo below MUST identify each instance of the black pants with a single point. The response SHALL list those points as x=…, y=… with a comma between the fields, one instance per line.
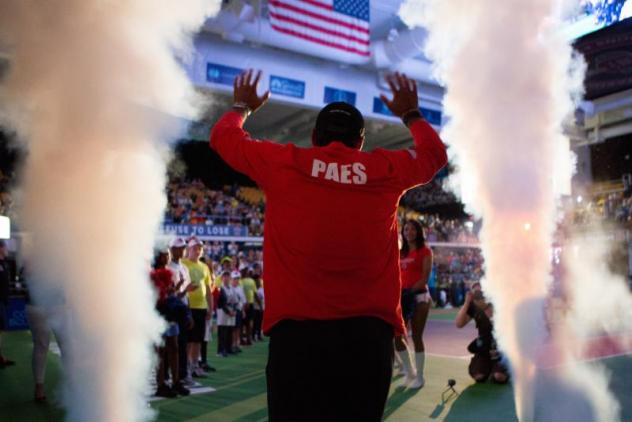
x=183, y=341
x=257, y=320
x=224, y=338
x=203, y=352
x=338, y=370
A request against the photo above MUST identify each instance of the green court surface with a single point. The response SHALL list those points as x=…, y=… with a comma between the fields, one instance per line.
x=240, y=391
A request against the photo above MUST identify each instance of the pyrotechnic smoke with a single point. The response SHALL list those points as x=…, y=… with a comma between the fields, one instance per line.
x=598, y=313
x=511, y=81
x=84, y=75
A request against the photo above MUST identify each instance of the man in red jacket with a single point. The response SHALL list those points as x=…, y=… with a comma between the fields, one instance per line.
x=331, y=256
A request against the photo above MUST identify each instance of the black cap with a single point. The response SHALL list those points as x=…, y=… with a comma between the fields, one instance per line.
x=339, y=122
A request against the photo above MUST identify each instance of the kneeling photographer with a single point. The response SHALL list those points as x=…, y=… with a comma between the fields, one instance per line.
x=487, y=362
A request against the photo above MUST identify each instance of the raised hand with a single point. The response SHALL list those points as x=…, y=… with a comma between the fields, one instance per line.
x=245, y=91
x=404, y=94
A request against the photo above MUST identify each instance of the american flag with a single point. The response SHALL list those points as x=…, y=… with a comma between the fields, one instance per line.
x=342, y=25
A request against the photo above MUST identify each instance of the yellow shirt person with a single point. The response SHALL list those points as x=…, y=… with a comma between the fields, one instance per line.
x=201, y=276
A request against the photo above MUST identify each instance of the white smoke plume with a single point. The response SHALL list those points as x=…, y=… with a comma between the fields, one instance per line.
x=511, y=81
x=84, y=77
x=597, y=317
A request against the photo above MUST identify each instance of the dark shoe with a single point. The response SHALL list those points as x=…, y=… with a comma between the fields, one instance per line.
x=197, y=373
x=207, y=367
x=6, y=362
x=181, y=389
x=165, y=391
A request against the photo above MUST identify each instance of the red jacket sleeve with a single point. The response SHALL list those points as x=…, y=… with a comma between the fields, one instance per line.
x=419, y=164
x=240, y=151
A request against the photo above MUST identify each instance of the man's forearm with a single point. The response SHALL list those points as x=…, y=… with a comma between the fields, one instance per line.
x=462, y=318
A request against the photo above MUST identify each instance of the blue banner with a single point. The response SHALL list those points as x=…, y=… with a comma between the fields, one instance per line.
x=287, y=87
x=220, y=74
x=432, y=116
x=186, y=230
x=380, y=108
x=335, y=95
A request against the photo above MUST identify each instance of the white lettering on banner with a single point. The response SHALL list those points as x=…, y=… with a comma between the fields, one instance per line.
x=203, y=230
x=346, y=173
x=180, y=230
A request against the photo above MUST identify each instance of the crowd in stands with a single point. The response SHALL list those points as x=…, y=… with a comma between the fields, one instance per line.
x=430, y=194
x=453, y=230
x=191, y=202
x=194, y=203
x=456, y=269
x=438, y=229
x=613, y=207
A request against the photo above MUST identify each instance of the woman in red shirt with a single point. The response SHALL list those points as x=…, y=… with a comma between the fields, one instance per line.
x=415, y=265
x=162, y=278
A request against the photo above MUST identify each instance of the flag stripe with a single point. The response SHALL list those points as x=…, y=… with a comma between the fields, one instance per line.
x=327, y=25
x=319, y=35
x=320, y=41
x=325, y=6
x=324, y=30
x=312, y=14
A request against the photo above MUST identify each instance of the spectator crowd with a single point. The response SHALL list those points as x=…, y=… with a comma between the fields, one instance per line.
x=192, y=202
x=614, y=207
x=451, y=230
x=456, y=269
x=427, y=195
x=200, y=299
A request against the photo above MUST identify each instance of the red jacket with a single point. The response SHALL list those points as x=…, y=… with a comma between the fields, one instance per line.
x=331, y=243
